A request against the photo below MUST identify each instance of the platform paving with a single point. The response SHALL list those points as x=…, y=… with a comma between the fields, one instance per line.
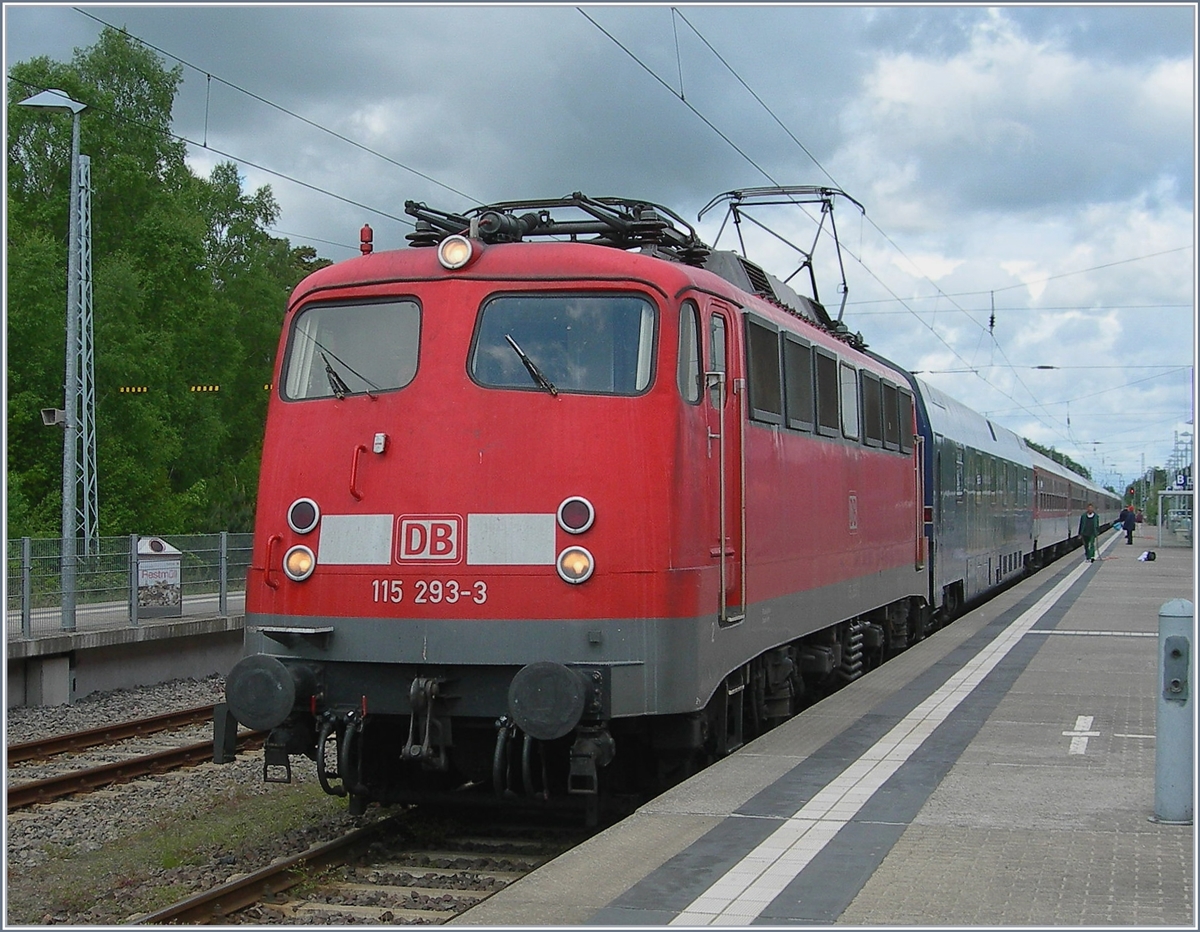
x=1031, y=805
x=1053, y=837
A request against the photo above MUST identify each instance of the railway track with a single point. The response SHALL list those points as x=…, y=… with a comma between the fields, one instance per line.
x=43, y=748
x=77, y=780
x=377, y=874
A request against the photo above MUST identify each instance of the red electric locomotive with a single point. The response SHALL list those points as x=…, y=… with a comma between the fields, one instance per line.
x=551, y=507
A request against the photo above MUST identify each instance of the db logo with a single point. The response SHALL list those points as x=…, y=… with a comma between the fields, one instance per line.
x=434, y=537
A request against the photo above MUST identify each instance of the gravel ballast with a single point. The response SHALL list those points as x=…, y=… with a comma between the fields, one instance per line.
x=110, y=855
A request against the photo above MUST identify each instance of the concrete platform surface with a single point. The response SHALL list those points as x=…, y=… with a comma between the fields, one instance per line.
x=1001, y=772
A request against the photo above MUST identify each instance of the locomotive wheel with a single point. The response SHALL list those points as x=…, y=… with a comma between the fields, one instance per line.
x=952, y=605
x=677, y=766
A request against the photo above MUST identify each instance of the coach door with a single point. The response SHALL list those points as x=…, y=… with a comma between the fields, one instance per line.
x=726, y=464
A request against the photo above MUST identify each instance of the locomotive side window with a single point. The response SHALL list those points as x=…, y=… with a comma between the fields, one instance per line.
x=766, y=395
x=716, y=354
x=827, y=393
x=906, y=422
x=798, y=382
x=891, y=417
x=596, y=344
x=688, y=372
x=352, y=349
x=872, y=400
x=849, y=390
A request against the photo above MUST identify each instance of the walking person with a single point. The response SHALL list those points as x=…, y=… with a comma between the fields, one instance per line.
x=1128, y=520
x=1089, y=530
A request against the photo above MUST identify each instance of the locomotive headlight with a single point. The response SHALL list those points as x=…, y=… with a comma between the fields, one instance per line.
x=455, y=251
x=303, y=515
x=575, y=565
x=576, y=514
x=299, y=562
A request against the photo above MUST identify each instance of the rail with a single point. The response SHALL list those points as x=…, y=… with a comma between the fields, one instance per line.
x=21, y=795
x=42, y=748
x=237, y=894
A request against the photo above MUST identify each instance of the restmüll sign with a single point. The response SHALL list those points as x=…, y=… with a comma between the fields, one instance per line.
x=159, y=579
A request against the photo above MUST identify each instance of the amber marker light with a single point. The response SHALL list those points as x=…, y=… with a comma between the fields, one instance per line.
x=298, y=563
x=454, y=252
x=575, y=565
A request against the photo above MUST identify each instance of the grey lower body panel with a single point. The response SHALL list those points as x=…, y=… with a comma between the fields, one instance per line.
x=653, y=666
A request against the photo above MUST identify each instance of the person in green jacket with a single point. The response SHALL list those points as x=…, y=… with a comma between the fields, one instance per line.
x=1089, y=530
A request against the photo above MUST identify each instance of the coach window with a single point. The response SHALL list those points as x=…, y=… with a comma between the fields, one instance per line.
x=960, y=476
x=762, y=347
x=688, y=375
x=591, y=343
x=849, y=389
x=872, y=404
x=717, y=343
x=798, y=382
x=352, y=349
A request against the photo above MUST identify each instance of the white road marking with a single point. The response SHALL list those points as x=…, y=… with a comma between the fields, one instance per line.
x=1079, y=737
x=747, y=888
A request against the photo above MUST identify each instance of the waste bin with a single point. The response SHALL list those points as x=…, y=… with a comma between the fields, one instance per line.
x=159, y=579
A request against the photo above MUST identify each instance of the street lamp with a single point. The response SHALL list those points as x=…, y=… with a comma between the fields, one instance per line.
x=78, y=355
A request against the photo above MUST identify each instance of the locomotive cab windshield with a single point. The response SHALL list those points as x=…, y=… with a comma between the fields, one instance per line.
x=341, y=349
x=596, y=344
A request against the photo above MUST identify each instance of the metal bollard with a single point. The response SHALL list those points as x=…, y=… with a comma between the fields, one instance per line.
x=1173, y=747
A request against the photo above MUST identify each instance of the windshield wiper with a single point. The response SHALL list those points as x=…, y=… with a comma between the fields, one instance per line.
x=340, y=388
x=534, y=372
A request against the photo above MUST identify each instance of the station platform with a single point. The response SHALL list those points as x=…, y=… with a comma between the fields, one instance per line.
x=57, y=668
x=1000, y=772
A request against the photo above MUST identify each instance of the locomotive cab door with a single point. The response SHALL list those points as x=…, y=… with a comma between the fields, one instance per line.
x=726, y=392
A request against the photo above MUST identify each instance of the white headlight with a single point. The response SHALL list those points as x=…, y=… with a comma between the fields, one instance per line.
x=299, y=562
x=455, y=251
x=575, y=565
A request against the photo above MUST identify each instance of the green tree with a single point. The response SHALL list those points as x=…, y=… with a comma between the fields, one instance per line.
x=188, y=290
x=1061, y=458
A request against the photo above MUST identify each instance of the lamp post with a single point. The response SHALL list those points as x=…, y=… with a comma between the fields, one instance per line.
x=78, y=356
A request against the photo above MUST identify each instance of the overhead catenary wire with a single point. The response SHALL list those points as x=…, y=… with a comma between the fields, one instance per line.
x=707, y=122
x=280, y=108
x=990, y=330
x=857, y=258
x=1025, y=308
x=236, y=158
x=887, y=238
x=1041, y=281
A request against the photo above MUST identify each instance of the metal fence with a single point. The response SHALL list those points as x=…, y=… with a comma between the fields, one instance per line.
x=210, y=570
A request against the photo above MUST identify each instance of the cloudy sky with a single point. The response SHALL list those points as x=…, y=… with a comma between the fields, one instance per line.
x=1038, y=160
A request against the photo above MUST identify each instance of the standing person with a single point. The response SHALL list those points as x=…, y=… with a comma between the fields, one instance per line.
x=1128, y=521
x=1089, y=530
